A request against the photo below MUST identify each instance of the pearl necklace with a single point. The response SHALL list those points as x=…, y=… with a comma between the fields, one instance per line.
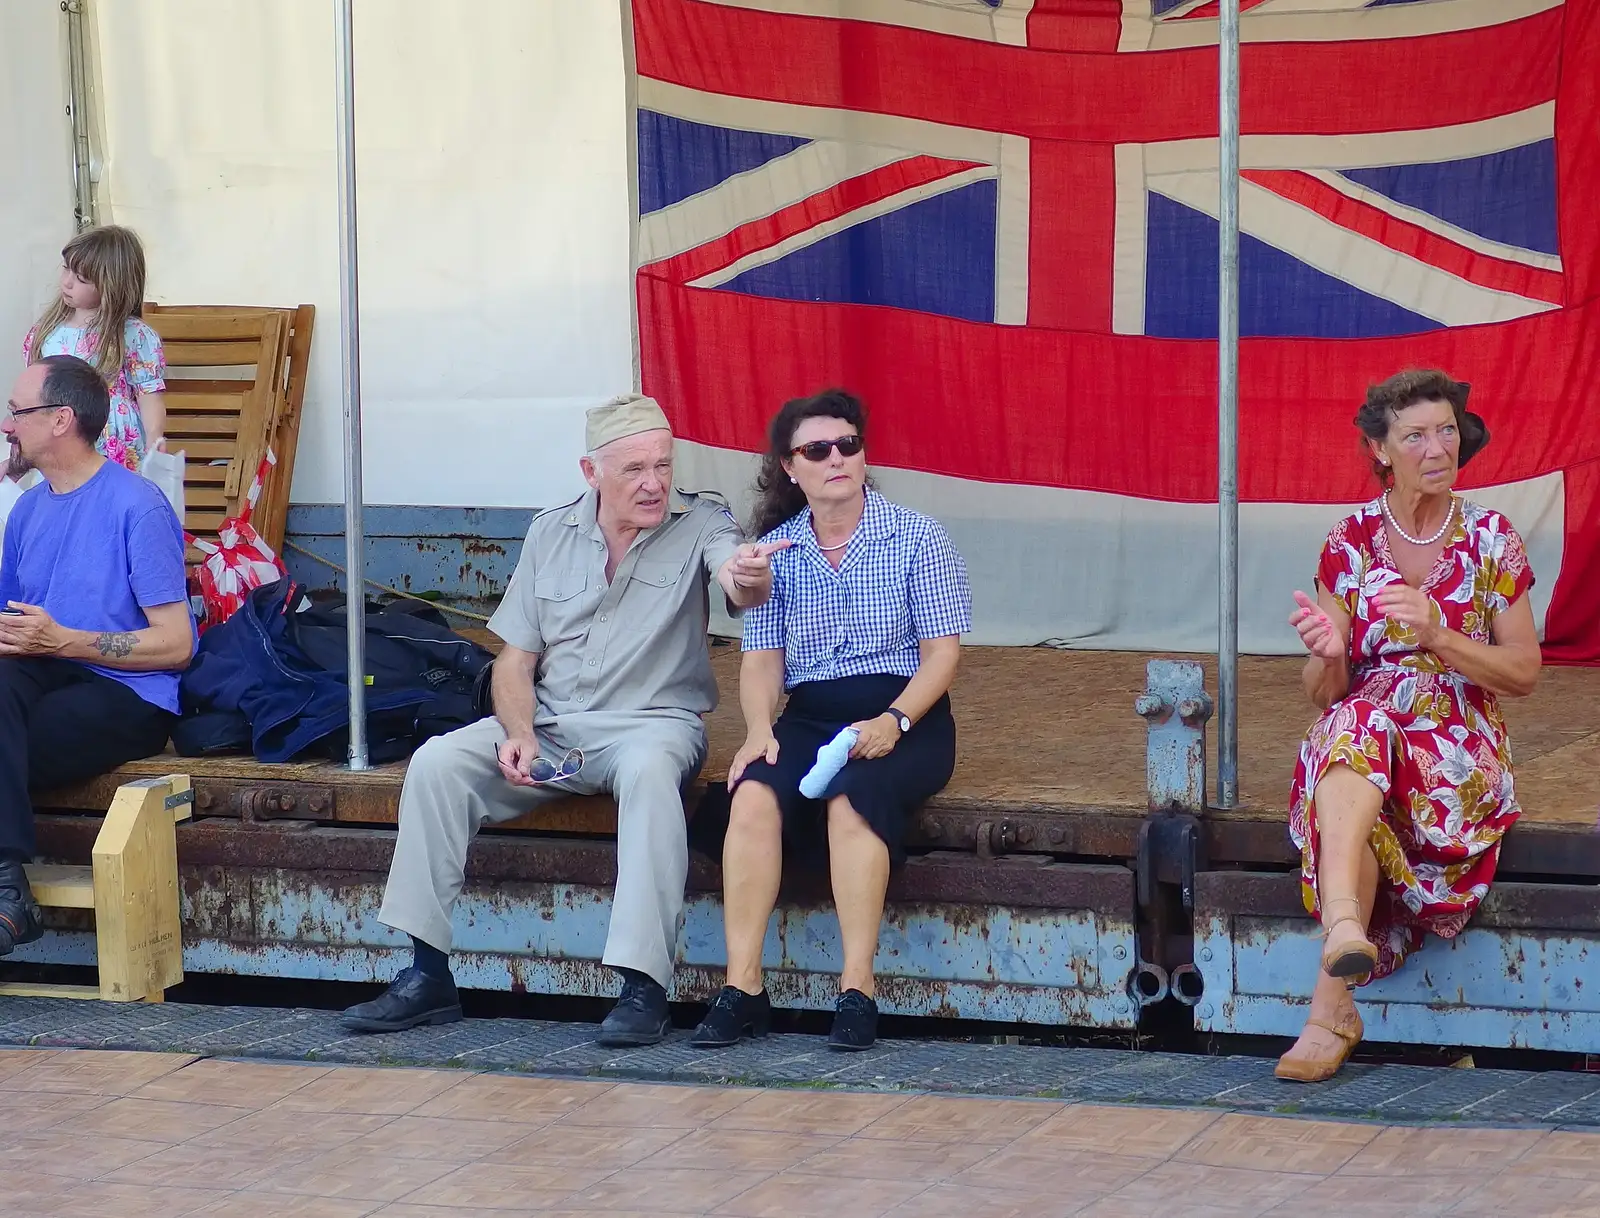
x=1418, y=541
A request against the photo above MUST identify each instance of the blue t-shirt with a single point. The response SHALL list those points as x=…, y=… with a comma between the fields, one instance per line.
x=95, y=559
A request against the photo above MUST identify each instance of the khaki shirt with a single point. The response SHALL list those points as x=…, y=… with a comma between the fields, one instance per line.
x=637, y=643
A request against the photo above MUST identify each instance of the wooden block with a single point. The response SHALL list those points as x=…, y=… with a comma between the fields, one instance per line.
x=136, y=907
x=62, y=887
x=28, y=989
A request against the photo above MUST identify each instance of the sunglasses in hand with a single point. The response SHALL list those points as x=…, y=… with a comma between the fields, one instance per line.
x=544, y=770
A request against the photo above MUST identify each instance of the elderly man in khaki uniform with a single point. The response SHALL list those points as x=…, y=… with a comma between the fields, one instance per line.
x=600, y=688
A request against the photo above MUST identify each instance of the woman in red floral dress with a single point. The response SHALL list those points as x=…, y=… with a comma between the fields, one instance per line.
x=1421, y=623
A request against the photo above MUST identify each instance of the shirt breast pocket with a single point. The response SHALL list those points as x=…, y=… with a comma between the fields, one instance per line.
x=653, y=593
x=563, y=609
x=880, y=607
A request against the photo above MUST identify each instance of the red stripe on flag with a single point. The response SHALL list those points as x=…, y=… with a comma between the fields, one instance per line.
x=1075, y=25
x=1573, y=622
x=830, y=204
x=1127, y=415
x=1072, y=203
x=1577, y=166
x=1134, y=97
x=1404, y=237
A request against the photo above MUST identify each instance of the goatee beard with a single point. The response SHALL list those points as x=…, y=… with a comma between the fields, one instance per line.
x=17, y=465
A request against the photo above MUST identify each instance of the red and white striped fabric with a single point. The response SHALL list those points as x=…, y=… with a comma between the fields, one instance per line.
x=238, y=560
x=996, y=223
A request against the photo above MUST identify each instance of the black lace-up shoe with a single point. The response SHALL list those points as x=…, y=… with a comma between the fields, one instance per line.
x=19, y=913
x=412, y=999
x=640, y=1016
x=855, y=1022
x=733, y=1016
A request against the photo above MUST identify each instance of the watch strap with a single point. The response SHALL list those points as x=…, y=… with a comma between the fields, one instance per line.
x=901, y=719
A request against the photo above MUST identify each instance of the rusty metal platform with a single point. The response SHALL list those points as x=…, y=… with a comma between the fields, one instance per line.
x=1050, y=761
x=1025, y=899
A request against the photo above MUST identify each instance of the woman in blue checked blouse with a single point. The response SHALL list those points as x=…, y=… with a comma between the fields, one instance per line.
x=863, y=629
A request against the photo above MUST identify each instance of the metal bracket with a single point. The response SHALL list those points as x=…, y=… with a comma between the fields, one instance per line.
x=1175, y=707
x=274, y=803
x=1172, y=847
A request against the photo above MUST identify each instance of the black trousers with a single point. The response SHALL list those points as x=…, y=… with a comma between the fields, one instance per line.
x=60, y=724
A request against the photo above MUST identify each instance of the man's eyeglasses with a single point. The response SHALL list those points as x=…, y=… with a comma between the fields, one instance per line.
x=17, y=414
x=818, y=450
x=544, y=770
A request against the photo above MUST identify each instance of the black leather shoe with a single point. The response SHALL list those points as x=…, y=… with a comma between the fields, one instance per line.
x=640, y=1016
x=733, y=1016
x=855, y=1022
x=19, y=913
x=412, y=999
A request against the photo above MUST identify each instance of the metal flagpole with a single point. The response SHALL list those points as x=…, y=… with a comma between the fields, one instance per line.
x=1228, y=412
x=350, y=350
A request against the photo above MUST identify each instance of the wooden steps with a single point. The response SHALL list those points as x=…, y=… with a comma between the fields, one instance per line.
x=132, y=886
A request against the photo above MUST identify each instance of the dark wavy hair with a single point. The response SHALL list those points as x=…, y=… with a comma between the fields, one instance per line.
x=1409, y=388
x=777, y=498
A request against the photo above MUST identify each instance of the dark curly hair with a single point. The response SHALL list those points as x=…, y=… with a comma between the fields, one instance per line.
x=1409, y=388
x=777, y=498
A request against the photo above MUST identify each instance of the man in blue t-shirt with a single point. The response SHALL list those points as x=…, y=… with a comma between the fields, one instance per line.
x=94, y=614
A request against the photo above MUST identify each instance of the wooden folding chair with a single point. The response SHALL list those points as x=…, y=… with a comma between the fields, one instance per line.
x=232, y=421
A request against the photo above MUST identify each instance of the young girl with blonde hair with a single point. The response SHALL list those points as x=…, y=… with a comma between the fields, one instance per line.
x=97, y=318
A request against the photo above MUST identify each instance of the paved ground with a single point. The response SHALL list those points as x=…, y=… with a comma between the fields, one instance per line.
x=1367, y=1092
x=169, y=1134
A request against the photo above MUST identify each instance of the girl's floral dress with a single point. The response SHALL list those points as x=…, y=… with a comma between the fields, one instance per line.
x=1430, y=740
x=144, y=367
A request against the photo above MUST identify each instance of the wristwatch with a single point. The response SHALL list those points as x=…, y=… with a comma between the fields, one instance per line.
x=901, y=719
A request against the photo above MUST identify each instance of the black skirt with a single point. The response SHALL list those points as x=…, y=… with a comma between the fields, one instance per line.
x=884, y=791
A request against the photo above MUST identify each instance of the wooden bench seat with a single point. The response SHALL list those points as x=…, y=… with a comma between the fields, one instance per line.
x=1042, y=734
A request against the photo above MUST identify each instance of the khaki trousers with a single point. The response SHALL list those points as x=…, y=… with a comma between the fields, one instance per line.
x=453, y=787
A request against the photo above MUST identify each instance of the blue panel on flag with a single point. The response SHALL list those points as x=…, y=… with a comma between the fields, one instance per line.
x=1507, y=196
x=935, y=256
x=678, y=158
x=1279, y=295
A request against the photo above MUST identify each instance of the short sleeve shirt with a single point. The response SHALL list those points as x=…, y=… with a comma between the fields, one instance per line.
x=637, y=643
x=95, y=559
x=144, y=368
x=901, y=581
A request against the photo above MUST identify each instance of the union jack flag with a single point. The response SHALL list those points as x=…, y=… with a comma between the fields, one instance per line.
x=996, y=220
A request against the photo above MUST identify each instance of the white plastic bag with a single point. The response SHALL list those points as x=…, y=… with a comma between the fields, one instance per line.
x=166, y=471
x=10, y=491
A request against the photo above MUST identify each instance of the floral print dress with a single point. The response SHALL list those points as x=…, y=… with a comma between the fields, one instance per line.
x=144, y=368
x=1433, y=742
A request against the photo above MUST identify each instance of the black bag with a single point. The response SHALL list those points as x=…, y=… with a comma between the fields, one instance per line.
x=272, y=680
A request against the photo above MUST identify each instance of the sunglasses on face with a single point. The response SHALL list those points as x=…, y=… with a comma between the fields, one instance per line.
x=818, y=450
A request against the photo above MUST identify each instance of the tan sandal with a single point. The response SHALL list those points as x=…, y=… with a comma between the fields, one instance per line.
x=1354, y=961
x=1319, y=1070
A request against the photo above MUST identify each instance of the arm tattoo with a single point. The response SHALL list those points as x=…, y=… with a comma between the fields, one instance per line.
x=117, y=646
